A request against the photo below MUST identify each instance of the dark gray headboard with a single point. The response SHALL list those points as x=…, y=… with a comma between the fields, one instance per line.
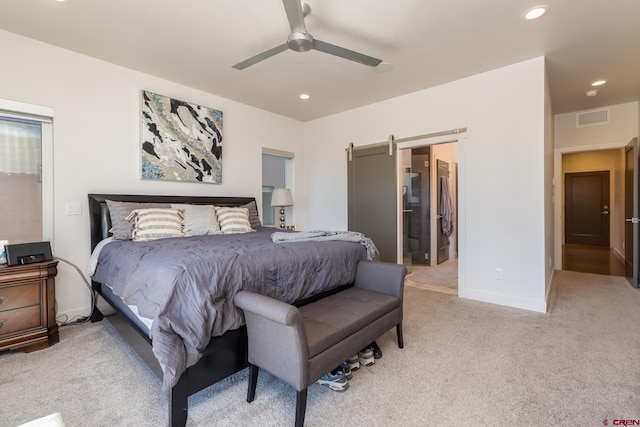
x=101, y=221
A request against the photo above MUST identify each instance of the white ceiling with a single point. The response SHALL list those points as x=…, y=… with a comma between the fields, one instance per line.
x=428, y=42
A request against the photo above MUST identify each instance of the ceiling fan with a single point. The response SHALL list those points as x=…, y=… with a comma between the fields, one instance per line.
x=301, y=41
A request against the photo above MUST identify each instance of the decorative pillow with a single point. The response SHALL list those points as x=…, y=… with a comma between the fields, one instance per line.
x=254, y=218
x=233, y=220
x=199, y=220
x=119, y=211
x=156, y=223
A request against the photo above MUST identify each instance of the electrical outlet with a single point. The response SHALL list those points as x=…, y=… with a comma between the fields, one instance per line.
x=499, y=273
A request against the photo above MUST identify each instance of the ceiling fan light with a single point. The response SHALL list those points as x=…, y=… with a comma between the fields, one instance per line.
x=535, y=12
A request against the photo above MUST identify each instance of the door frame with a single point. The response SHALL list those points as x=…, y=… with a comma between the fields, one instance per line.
x=633, y=204
x=558, y=191
x=461, y=139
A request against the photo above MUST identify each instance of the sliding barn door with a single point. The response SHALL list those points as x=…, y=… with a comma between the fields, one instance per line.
x=372, y=194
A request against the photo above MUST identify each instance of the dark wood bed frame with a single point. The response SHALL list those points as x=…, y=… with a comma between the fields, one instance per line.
x=225, y=354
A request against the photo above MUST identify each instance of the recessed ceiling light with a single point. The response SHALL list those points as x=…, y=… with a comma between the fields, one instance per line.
x=304, y=96
x=598, y=83
x=591, y=92
x=535, y=12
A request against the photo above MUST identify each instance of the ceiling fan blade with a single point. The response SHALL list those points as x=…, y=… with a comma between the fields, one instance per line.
x=260, y=57
x=351, y=55
x=293, y=8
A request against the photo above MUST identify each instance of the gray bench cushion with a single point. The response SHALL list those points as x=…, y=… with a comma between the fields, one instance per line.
x=332, y=319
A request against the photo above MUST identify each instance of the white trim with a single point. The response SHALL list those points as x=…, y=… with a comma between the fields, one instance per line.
x=48, y=212
x=277, y=153
x=558, y=193
x=441, y=139
x=506, y=300
x=549, y=291
x=41, y=112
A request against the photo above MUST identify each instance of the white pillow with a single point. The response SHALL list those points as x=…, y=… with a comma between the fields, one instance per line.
x=199, y=220
x=233, y=220
x=156, y=223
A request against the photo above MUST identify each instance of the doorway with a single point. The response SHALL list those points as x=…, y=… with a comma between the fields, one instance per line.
x=593, y=211
x=429, y=216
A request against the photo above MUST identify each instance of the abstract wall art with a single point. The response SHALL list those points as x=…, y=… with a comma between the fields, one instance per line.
x=180, y=141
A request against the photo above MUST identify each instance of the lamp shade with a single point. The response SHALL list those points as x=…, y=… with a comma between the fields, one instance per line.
x=281, y=197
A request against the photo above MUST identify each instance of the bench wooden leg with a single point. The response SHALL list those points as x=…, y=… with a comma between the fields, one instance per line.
x=301, y=407
x=399, y=333
x=253, y=382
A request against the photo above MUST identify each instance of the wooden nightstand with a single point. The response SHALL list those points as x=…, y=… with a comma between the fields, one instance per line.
x=27, y=306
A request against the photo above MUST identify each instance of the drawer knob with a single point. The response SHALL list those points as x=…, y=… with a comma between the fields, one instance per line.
x=2, y=323
x=1, y=299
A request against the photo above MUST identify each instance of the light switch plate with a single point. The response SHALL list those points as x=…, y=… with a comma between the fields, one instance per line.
x=73, y=208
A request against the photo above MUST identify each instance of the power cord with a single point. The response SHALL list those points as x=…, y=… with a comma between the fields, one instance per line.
x=65, y=321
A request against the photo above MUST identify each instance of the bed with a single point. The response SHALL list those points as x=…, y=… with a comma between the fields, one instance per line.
x=196, y=278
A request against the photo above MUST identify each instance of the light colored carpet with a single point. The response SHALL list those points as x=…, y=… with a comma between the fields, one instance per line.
x=465, y=363
x=440, y=278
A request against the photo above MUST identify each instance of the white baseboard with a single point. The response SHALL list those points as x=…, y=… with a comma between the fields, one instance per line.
x=539, y=306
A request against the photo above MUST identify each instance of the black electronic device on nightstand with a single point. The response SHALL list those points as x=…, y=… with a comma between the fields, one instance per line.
x=28, y=253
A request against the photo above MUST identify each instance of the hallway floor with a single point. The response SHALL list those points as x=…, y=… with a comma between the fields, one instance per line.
x=440, y=278
x=592, y=259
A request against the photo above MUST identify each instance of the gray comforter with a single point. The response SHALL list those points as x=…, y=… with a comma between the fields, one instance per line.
x=187, y=285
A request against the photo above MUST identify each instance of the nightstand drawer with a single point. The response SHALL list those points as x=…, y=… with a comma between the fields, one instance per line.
x=19, y=319
x=12, y=297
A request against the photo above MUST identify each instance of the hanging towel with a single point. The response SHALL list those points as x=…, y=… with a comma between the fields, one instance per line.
x=446, y=206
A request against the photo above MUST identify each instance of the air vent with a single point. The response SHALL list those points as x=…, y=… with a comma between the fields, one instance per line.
x=592, y=118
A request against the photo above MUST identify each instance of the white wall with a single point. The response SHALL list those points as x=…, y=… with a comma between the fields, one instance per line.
x=622, y=126
x=96, y=109
x=502, y=173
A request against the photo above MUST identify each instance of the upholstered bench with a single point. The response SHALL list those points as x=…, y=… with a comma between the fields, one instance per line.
x=300, y=345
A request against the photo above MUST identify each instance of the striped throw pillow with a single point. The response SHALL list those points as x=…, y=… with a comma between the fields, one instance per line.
x=233, y=220
x=156, y=223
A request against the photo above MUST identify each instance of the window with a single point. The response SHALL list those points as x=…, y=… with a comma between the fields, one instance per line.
x=276, y=173
x=25, y=174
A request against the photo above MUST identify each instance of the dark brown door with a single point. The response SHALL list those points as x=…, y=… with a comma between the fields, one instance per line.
x=586, y=207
